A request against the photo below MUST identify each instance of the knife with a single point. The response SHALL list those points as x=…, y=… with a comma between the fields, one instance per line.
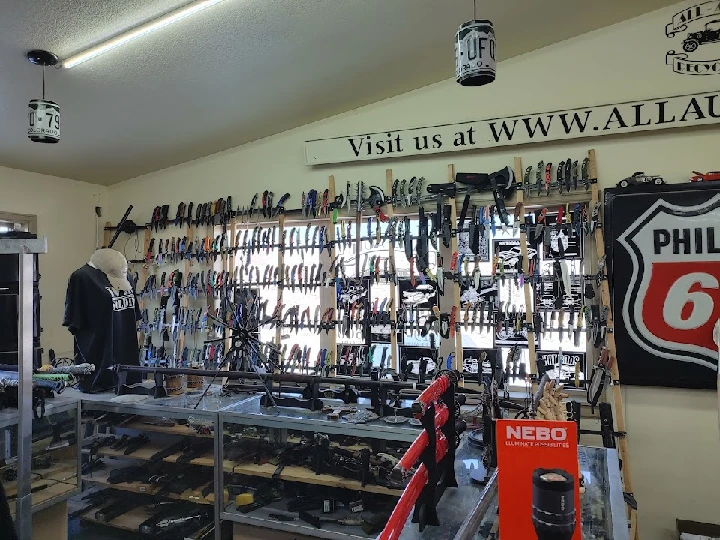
x=538, y=177
x=568, y=174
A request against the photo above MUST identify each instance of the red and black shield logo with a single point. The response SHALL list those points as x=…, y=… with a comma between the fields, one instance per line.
x=673, y=300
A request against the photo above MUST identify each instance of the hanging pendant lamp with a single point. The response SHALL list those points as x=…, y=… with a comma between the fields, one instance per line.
x=43, y=114
x=475, y=52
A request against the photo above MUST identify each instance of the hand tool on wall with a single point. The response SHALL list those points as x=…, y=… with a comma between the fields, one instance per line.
x=586, y=173
x=548, y=178
x=253, y=206
x=538, y=177
x=376, y=201
x=567, y=174
x=526, y=181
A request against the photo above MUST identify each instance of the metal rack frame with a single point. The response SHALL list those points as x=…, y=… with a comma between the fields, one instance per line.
x=25, y=248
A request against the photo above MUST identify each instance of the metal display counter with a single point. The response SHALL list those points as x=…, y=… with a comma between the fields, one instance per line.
x=338, y=495
x=249, y=411
x=468, y=512
x=54, y=459
x=156, y=424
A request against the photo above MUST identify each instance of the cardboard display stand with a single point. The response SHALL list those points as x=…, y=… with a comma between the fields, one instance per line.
x=538, y=483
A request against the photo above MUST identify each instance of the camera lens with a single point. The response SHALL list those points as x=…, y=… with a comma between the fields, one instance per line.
x=553, y=504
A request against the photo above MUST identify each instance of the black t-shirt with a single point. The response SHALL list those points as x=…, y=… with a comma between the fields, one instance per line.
x=103, y=321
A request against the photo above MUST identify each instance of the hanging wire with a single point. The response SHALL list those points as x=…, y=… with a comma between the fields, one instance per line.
x=43, y=82
x=474, y=12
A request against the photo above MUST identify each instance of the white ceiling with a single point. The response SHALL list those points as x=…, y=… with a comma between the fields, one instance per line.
x=240, y=70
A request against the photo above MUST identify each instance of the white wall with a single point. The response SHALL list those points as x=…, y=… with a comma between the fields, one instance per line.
x=65, y=211
x=674, y=437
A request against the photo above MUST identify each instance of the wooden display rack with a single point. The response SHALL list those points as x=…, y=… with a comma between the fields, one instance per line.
x=615, y=388
x=451, y=298
x=617, y=398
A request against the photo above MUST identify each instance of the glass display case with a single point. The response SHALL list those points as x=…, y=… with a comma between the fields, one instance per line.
x=148, y=466
x=55, y=455
x=327, y=474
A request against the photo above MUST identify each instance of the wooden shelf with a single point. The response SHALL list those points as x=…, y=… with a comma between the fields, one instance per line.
x=293, y=473
x=101, y=478
x=129, y=521
x=39, y=497
x=289, y=473
x=149, y=450
x=60, y=472
x=171, y=430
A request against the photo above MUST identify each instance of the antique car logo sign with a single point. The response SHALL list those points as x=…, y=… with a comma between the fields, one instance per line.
x=673, y=300
x=699, y=27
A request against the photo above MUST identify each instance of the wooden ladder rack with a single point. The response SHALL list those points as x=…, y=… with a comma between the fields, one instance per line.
x=615, y=388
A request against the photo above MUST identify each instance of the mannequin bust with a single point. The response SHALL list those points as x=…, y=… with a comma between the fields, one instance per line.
x=102, y=313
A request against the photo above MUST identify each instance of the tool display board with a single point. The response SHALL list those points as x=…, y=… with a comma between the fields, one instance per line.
x=506, y=269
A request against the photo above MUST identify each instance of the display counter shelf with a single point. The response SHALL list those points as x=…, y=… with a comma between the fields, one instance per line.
x=303, y=475
x=267, y=517
x=324, y=471
x=239, y=417
x=130, y=521
x=146, y=452
x=249, y=411
x=192, y=495
x=163, y=423
x=171, y=407
x=47, y=493
x=55, y=456
x=170, y=430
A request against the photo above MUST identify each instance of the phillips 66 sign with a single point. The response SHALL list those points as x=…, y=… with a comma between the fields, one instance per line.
x=666, y=283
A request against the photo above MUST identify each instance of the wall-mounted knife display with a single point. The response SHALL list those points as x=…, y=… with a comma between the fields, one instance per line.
x=363, y=264
x=341, y=291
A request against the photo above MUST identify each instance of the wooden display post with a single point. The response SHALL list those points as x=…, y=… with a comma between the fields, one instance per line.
x=328, y=296
x=529, y=309
x=617, y=398
x=394, y=351
x=451, y=298
x=281, y=279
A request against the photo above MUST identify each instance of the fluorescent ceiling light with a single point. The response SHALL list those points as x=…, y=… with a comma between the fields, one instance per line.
x=139, y=31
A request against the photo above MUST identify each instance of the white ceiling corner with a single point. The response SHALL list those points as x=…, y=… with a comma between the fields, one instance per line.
x=240, y=70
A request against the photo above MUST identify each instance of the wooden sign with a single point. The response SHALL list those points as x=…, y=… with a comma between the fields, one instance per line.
x=595, y=121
